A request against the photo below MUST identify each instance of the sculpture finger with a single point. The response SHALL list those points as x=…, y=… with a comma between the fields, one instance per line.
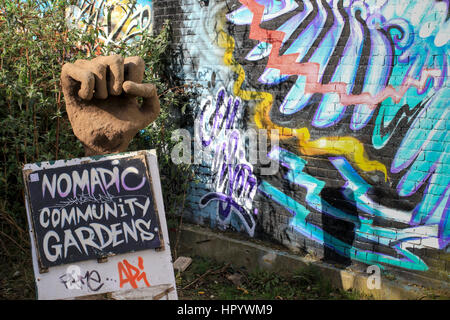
x=114, y=72
x=134, y=68
x=99, y=71
x=145, y=90
x=150, y=105
x=72, y=72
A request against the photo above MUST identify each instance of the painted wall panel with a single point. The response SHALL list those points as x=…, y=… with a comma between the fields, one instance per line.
x=359, y=94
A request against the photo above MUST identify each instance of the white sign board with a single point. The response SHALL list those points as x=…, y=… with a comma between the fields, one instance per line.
x=96, y=230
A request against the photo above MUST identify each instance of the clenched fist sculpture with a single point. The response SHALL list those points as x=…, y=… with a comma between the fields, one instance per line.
x=101, y=101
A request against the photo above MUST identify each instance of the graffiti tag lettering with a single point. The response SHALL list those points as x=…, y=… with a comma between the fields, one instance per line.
x=73, y=279
x=131, y=274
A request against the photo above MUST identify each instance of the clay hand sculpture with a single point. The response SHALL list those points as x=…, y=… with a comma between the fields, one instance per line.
x=101, y=101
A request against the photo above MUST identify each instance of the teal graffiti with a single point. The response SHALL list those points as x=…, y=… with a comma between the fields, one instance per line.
x=398, y=240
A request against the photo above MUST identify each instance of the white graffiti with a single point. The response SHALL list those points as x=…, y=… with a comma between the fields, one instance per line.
x=116, y=20
x=223, y=147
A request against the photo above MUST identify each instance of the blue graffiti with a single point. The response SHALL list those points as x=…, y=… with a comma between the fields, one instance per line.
x=355, y=44
x=399, y=240
x=372, y=48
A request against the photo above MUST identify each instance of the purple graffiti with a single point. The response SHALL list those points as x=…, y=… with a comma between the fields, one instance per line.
x=220, y=118
x=234, y=184
x=241, y=182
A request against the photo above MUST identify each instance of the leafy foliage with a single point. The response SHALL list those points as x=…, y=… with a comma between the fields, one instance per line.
x=34, y=44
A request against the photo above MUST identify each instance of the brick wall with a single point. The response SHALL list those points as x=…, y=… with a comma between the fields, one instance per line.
x=359, y=96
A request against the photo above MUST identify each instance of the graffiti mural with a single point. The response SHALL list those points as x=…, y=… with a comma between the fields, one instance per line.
x=399, y=240
x=234, y=183
x=358, y=91
x=116, y=20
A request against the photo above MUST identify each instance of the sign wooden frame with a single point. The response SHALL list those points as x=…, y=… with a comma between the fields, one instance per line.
x=148, y=270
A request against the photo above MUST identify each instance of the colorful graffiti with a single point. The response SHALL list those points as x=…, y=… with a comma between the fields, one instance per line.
x=399, y=240
x=131, y=274
x=234, y=183
x=116, y=20
x=361, y=85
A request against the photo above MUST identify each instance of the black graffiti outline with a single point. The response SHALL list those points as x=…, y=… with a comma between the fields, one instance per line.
x=90, y=13
x=81, y=279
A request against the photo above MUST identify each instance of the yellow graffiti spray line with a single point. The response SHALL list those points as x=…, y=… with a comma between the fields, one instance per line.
x=350, y=147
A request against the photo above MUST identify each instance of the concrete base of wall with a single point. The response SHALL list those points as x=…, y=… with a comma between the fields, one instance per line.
x=195, y=240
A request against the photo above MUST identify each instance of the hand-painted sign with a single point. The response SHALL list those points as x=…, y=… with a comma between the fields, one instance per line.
x=92, y=210
x=110, y=206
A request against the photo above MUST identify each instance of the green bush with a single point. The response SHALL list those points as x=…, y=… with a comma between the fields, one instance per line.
x=34, y=44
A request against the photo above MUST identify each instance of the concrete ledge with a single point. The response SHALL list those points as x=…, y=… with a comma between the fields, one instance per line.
x=196, y=240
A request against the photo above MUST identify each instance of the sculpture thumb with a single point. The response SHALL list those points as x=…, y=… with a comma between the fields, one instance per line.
x=150, y=106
